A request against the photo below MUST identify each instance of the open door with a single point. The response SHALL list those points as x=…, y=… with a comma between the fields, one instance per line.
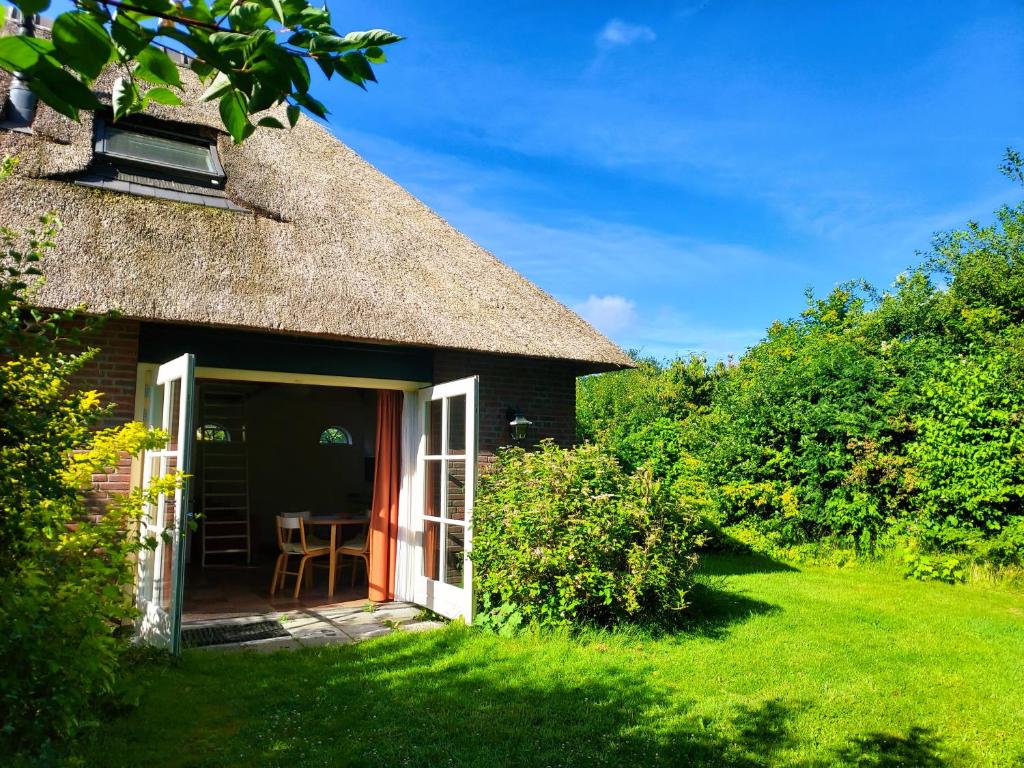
x=442, y=517
x=161, y=573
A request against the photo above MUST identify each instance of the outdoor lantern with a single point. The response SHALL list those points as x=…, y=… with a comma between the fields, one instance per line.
x=519, y=426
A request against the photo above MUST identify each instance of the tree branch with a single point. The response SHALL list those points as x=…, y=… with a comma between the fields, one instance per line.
x=184, y=21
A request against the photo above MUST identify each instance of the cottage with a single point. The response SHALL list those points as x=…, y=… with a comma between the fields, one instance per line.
x=315, y=339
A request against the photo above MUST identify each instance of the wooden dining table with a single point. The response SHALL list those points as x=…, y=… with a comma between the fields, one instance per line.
x=336, y=522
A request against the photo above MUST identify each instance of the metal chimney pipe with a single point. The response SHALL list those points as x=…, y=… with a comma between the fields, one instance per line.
x=21, y=102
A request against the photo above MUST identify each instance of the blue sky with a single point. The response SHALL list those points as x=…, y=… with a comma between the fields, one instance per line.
x=680, y=172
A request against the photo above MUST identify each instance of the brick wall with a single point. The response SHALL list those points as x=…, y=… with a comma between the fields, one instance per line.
x=544, y=391
x=112, y=372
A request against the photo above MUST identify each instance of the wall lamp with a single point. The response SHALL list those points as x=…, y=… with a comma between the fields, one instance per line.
x=518, y=425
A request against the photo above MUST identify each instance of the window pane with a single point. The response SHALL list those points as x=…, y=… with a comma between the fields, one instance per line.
x=454, y=554
x=159, y=149
x=456, y=506
x=434, y=427
x=431, y=549
x=432, y=493
x=457, y=424
x=335, y=436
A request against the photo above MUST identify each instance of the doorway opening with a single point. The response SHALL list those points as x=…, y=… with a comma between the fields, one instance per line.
x=268, y=449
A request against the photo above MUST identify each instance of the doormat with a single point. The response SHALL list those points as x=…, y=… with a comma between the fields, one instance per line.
x=222, y=634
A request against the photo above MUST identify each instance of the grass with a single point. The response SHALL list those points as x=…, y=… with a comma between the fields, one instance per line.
x=780, y=667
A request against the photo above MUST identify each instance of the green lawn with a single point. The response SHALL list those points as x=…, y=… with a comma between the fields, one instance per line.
x=815, y=667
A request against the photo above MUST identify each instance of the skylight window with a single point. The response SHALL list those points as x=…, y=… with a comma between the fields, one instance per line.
x=167, y=153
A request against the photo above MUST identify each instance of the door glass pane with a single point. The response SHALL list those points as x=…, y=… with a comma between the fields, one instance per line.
x=155, y=405
x=432, y=492
x=457, y=425
x=455, y=508
x=173, y=391
x=431, y=548
x=434, y=427
x=454, y=554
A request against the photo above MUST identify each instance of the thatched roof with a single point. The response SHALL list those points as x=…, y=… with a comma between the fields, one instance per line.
x=330, y=247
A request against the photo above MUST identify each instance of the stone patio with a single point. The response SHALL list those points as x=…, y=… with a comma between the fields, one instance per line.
x=328, y=625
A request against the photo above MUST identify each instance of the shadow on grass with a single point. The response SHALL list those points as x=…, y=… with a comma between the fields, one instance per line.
x=458, y=698
x=918, y=749
x=729, y=564
x=714, y=608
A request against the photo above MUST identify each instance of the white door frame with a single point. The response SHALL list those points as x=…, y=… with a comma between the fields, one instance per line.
x=443, y=598
x=159, y=598
x=146, y=374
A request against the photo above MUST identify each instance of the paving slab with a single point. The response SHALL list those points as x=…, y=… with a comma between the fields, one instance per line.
x=328, y=625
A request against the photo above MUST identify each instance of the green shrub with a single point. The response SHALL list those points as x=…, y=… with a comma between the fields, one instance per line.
x=567, y=538
x=65, y=579
x=948, y=568
x=970, y=447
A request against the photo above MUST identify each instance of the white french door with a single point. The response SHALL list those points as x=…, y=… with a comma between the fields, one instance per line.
x=161, y=570
x=445, y=482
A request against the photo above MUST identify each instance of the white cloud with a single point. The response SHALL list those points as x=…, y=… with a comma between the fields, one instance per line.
x=618, y=33
x=609, y=314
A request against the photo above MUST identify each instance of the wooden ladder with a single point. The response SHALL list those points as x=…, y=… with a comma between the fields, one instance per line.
x=223, y=475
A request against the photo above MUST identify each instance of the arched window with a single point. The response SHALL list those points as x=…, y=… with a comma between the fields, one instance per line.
x=213, y=433
x=335, y=436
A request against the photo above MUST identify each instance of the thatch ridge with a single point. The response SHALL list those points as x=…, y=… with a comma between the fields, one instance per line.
x=333, y=248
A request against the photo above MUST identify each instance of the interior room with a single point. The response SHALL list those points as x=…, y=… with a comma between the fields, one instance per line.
x=265, y=450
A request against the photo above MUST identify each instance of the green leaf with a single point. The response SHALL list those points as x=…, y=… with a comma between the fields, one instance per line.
x=299, y=73
x=345, y=69
x=163, y=96
x=293, y=115
x=201, y=68
x=28, y=7
x=196, y=41
x=360, y=66
x=82, y=44
x=131, y=37
x=278, y=10
x=60, y=89
x=220, y=85
x=270, y=122
x=234, y=114
x=18, y=53
x=227, y=41
x=73, y=90
x=248, y=16
x=123, y=97
x=198, y=10
x=328, y=44
x=311, y=104
x=262, y=98
x=375, y=54
x=372, y=37
x=155, y=66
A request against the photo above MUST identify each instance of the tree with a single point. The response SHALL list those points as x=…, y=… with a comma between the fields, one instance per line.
x=253, y=54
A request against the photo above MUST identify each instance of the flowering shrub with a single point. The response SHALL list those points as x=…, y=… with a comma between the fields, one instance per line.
x=65, y=577
x=567, y=538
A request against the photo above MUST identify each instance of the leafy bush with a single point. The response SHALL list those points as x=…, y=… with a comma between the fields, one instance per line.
x=872, y=421
x=567, y=538
x=948, y=568
x=970, y=447
x=65, y=577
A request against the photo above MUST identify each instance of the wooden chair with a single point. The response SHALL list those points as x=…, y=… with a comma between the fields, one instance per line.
x=307, y=548
x=357, y=547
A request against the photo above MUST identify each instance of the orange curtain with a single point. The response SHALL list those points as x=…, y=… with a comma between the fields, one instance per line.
x=387, y=478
